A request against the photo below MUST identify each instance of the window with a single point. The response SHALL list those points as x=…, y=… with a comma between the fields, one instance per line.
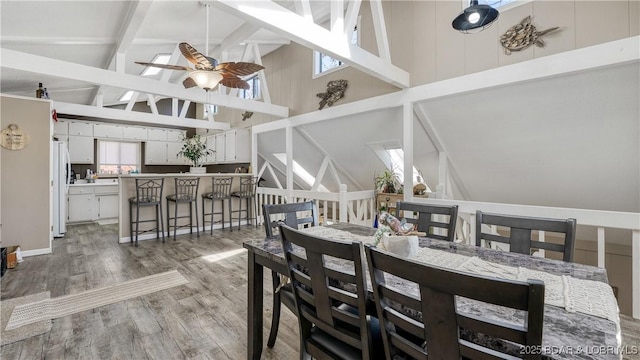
x=323, y=63
x=299, y=171
x=254, y=89
x=118, y=157
x=392, y=156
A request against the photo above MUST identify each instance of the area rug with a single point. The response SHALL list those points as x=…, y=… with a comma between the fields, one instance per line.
x=47, y=309
x=23, y=332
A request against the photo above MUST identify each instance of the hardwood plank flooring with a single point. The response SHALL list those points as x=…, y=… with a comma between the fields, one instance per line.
x=204, y=319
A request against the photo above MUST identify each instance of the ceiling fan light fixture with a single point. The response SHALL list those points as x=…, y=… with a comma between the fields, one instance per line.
x=475, y=18
x=206, y=79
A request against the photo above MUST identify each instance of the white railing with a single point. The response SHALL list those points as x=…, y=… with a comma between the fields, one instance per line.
x=598, y=219
x=357, y=207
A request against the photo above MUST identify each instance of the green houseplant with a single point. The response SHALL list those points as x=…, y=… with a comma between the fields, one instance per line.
x=194, y=149
x=387, y=182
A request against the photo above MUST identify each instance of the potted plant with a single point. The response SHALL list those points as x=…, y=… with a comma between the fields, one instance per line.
x=195, y=149
x=387, y=182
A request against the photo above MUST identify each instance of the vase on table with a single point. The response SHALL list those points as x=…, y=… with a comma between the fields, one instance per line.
x=198, y=170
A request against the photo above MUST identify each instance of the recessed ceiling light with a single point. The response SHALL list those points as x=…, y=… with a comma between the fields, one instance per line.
x=158, y=59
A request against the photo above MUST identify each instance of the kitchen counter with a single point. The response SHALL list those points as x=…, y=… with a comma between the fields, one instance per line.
x=172, y=175
x=102, y=183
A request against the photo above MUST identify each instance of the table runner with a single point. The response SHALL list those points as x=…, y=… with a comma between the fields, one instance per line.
x=575, y=295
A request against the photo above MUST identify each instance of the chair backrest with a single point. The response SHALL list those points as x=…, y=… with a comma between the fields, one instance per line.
x=294, y=215
x=520, y=231
x=149, y=190
x=221, y=187
x=187, y=188
x=318, y=298
x=247, y=187
x=425, y=220
x=441, y=332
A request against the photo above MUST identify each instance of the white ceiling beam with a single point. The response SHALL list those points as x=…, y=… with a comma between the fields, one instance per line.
x=320, y=174
x=337, y=17
x=135, y=16
x=30, y=40
x=284, y=22
x=380, y=30
x=136, y=116
x=41, y=65
x=351, y=17
x=264, y=84
x=240, y=34
x=303, y=8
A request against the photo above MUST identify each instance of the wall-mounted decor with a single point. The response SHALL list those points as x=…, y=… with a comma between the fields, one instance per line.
x=246, y=115
x=13, y=138
x=335, y=91
x=523, y=35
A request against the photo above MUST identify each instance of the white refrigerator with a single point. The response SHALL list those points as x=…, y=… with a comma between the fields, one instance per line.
x=61, y=171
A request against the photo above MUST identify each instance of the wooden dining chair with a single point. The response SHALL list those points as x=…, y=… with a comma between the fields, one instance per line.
x=331, y=301
x=438, y=334
x=425, y=218
x=520, y=230
x=296, y=215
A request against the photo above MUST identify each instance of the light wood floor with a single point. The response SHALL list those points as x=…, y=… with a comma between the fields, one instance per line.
x=205, y=319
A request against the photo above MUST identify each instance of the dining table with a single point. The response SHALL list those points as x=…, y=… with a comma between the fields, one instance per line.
x=581, y=318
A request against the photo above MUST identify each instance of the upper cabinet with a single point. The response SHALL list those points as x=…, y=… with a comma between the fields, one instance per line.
x=61, y=127
x=107, y=131
x=80, y=128
x=81, y=149
x=157, y=134
x=134, y=133
x=237, y=145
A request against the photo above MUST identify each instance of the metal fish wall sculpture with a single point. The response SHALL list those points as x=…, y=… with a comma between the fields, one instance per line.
x=523, y=35
x=335, y=91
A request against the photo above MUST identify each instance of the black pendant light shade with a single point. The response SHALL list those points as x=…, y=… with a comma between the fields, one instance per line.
x=475, y=18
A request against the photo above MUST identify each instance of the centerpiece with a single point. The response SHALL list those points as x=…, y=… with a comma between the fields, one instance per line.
x=195, y=150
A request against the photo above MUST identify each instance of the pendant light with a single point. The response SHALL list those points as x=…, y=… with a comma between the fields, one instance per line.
x=475, y=18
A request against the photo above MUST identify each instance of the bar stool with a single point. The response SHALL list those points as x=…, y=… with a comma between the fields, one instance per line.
x=148, y=193
x=220, y=190
x=248, y=193
x=186, y=192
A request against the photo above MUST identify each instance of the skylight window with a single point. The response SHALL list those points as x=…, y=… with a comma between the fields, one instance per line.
x=300, y=171
x=126, y=96
x=158, y=59
x=393, y=157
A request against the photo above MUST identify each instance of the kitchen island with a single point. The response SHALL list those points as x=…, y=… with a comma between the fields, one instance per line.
x=127, y=189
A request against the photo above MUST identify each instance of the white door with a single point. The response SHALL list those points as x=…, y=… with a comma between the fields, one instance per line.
x=230, y=146
x=155, y=152
x=81, y=149
x=107, y=206
x=81, y=208
x=220, y=144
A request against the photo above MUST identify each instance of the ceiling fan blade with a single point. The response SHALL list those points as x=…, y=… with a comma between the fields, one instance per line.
x=171, y=67
x=239, y=68
x=189, y=83
x=234, y=82
x=190, y=53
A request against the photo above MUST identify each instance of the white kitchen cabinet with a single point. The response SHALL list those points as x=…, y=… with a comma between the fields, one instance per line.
x=107, y=131
x=80, y=128
x=155, y=153
x=211, y=146
x=107, y=206
x=61, y=127
x=237, y=145
x=134, y=133
x=173, y=148
x=81, y=149
x=81, y=207
x=157, y=134
x=220, y=144
x=176, y=135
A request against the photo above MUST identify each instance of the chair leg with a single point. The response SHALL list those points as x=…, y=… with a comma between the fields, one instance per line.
x=275, y=315
x=175, y=220
x=190, y=219
x=137, y=224
x=239, y=212
x=222, y=211
x=195, y=203
x=157, y=223
x=230, y=225
x=131, y=222
x=161, y=219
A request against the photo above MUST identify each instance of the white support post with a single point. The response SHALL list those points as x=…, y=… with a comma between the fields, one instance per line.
x=443, y=172
x=541, y=238
x=289, y=148
x=337, y=17
x=254, y=153
x=273, y=174
x=407, y=147
x=321, y=172
x=342, y=196
x=185, y=108
x=351, y=17
x=100, y=99
x=264, y=85
x=472, y=230
x=152, y=104
x=635, y=276
x=174, y=107
x=601, y=248
x=380, y=30
x=132, y=101
x=334, y=172
x=303, y=8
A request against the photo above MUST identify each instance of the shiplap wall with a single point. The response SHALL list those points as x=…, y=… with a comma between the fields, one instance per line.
x=424, y=44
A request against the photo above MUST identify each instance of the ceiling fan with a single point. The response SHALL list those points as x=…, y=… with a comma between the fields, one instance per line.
x=208, y=72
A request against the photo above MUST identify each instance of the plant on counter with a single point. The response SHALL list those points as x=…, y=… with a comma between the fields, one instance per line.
x=194, y=149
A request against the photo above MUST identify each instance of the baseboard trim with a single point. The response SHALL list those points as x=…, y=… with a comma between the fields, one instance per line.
x=36, y=252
